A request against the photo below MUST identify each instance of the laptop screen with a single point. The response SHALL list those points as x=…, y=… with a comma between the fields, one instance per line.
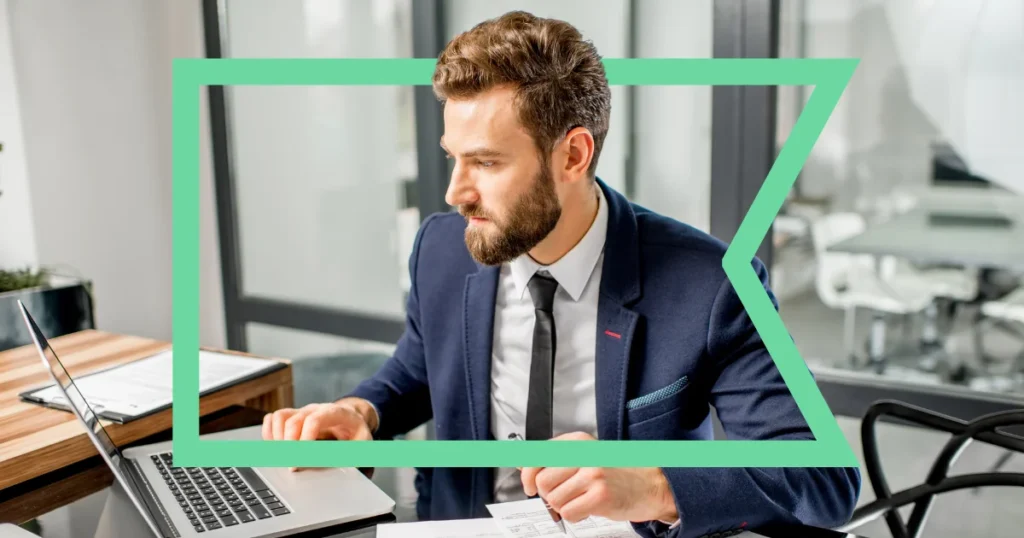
x=81, y=406
x=72, y=397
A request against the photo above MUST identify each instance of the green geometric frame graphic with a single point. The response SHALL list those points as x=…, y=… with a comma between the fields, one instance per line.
x=829, y=448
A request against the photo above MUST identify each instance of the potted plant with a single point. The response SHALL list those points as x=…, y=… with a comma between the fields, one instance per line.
x=58, y=304
x=20, y=279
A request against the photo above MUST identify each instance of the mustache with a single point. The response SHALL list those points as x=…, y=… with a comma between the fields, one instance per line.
x=469, y=211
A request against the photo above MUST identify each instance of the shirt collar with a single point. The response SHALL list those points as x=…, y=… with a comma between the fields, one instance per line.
x=573, y=270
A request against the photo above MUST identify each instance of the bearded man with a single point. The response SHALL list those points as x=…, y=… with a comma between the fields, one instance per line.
x=551, y=307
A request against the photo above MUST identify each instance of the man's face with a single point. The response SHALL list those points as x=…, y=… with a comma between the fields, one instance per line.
x=499, y=183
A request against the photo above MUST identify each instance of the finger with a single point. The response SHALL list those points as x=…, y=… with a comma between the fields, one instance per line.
x=551, y=477
x=363, y=434
x=528, y=475
x=567, y=490
x=268, y=431
x=277, y=424
x=583, y=506
x=310, y=427
x=293, y=426
x=574, y=436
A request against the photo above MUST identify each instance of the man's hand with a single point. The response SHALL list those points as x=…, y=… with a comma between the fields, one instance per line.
x=636, y=495
x=349, y=419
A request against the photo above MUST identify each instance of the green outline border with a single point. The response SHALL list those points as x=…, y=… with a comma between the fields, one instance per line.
x=829, y=449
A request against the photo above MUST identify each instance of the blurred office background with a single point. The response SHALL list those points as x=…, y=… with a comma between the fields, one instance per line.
x=897, y=257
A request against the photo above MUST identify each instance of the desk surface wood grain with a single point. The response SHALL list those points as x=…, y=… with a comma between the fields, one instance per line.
x=35, y=440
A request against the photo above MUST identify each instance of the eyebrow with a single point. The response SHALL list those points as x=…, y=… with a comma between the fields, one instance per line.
x=476, y=152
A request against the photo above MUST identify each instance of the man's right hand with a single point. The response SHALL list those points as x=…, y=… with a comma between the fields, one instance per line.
x=349, y=419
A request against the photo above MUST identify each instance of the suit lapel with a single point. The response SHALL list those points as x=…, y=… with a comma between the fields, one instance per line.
x=616, y=322
x=478, y=335
x=478, y=331
x=615, y=336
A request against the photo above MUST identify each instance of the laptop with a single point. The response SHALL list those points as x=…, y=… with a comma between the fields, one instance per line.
x=153, y=497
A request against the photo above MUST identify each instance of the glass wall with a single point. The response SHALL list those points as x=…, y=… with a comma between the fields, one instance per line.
x=903, y=238
x=308, y=165
x=311, y=164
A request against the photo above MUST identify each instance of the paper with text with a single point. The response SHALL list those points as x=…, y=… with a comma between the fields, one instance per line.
x=141, y=386
x=459, y=528
x=529, y=518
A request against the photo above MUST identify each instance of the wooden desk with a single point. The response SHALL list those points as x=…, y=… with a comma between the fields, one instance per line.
x=35, y=440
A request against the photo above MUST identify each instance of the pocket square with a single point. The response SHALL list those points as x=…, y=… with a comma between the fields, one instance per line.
x=658, y=395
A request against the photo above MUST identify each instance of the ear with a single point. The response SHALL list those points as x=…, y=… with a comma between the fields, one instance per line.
x=578, y=148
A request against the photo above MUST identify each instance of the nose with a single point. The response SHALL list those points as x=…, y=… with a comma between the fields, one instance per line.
x=461, y=190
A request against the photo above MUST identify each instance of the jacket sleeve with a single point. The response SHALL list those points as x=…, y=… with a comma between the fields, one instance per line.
x=753, y=403
x=399, y=389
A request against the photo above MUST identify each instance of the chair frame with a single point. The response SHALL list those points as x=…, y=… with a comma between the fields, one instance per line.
x=887, y=503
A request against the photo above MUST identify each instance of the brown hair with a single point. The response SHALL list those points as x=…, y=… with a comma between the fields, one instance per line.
x=558, y=76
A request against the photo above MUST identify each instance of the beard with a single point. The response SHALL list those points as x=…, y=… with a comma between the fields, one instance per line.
x=530, y=220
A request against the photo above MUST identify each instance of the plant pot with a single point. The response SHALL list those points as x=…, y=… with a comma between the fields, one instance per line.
x=58, y=309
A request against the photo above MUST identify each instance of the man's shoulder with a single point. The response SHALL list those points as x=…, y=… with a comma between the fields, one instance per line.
x=665, y=236
x=442, y=227
x=442, y=237
x=443, y=224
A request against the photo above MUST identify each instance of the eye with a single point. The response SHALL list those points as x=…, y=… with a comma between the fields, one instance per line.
x=487, y=164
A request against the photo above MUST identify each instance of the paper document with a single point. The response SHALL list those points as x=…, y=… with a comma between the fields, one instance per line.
x=521, y=519
x=529, y=518
x=459, y=528
x=142, y=386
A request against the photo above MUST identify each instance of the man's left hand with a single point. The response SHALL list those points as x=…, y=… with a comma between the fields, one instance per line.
x=620, y=494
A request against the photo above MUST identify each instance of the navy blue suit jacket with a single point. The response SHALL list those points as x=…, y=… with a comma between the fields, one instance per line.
x=680, y=343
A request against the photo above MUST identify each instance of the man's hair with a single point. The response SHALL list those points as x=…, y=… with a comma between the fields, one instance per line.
x=558, y=77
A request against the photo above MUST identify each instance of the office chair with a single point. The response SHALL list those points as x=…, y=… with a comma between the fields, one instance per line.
x=850, y=281
x=887, y=503
x=1007, y=313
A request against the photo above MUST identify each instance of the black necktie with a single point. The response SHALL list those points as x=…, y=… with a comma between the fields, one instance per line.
x=539, y=421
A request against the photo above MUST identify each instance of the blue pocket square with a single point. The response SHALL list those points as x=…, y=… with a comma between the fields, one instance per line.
x=658, y=395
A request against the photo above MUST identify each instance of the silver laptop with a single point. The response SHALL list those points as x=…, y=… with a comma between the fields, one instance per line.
x=171, y=502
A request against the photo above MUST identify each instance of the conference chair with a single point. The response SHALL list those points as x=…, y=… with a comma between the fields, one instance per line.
x=850, y=281
x=1008, y=313
x=952, y=286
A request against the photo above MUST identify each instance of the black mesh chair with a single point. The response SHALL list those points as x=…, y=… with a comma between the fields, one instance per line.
x=887, y=503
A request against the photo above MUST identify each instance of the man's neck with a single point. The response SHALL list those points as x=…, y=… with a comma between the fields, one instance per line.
x=577, y=218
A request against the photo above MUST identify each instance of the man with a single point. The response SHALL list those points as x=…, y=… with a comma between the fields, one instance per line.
x=552, y=308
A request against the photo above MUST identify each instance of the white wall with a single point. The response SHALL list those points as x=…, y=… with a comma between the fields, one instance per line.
x=17, y=236
x=94, y=80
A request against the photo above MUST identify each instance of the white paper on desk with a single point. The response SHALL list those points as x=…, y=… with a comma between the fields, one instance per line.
x=529, y=518
x=144, y=385
x=461, y=528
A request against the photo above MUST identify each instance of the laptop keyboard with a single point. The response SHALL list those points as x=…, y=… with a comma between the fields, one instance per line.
x=218, y=497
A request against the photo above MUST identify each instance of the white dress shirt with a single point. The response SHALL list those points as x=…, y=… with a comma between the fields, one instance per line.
x=578, y=273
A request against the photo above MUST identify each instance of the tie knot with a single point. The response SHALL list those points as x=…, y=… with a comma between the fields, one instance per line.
x=542, y=289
